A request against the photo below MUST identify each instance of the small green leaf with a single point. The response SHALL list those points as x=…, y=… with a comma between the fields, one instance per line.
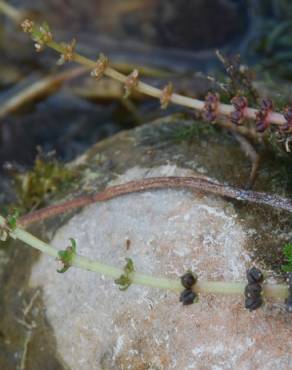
x=129, y=268
x=125, y=280
x=287, y=251
x=45, y=26
x=66, y=256
x=12, y=218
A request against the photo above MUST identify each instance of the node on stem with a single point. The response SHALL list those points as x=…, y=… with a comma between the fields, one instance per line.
x=66, y=256
x=125, y=280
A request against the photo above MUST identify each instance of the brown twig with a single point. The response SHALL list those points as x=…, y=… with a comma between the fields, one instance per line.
x=13, y=13
x=253, y=156
x=155, y=183
x=38, y=89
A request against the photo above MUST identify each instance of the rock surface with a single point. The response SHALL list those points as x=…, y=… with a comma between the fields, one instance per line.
x=98, y=327
x=84, y=321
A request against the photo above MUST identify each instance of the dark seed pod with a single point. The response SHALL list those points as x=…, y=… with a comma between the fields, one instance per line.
x=254, y=275
x=289, y=280
x=187, y=297
x=239, y=103
x=188, y=280
x=210, y=116
x=211, y=101
x=261, y=126
x=262, y=115
x=253, y=304
x=289, y=299
x=236, y=117
x=261, y=122
x=267, y=104
x=287, y=127
x=211, y=107
x=289, y=304
x=288, y=113
x=253, y=290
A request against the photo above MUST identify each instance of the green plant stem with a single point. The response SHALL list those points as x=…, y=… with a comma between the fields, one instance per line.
x=37, y=89
x=223, y=109
x=279, y=291
x=10, y=11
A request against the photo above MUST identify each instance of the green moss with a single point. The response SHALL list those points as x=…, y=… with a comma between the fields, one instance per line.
x=192, y=132
x=47, y=177
x=287, y=251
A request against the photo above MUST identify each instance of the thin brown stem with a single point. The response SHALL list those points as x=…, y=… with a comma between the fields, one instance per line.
x=41, y=87
x=253, y=156
x=11, y=12
x=155, y=183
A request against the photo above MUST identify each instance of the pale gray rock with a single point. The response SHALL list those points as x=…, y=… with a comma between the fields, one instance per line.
x=98, y=327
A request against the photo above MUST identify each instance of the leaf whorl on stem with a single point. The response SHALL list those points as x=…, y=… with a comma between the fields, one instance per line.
x=262, y=122
x=240, y=104
x=253, y=290
x=188, y=296
x=211, y=107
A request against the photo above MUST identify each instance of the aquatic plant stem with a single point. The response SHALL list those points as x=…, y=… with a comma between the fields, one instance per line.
x=278, y=291
x=199, y=183
x=213, y=110
x=10, y=11
x=142, y=87
x=37, y=89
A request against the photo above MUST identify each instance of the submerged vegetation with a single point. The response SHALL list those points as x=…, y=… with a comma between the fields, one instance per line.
x=229, y=131
x=46, y=177
x=287, y=251
x=129, y=276
x=211, y=107
x=239, y=110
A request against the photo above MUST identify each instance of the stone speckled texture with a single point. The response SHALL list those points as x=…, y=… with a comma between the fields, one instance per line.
x=99, y=327
x=169, y=143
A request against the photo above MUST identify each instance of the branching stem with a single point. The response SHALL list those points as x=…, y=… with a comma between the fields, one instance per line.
x=215, y=110
x=279, y=291
x=270, y=290
x=142, y=87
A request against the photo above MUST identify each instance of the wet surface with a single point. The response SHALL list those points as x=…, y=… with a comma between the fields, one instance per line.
x=147, y=146
x=17, y=331
x=70, y=124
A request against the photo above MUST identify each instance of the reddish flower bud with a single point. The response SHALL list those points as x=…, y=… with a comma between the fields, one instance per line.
x=211, y=107
x=262, y=122
x=287, y=127
x=239, y=103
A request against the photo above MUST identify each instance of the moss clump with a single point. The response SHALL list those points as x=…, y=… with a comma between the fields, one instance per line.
x=192, y=132
x=46, y=177
x=125, y=280
x=287, y=251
